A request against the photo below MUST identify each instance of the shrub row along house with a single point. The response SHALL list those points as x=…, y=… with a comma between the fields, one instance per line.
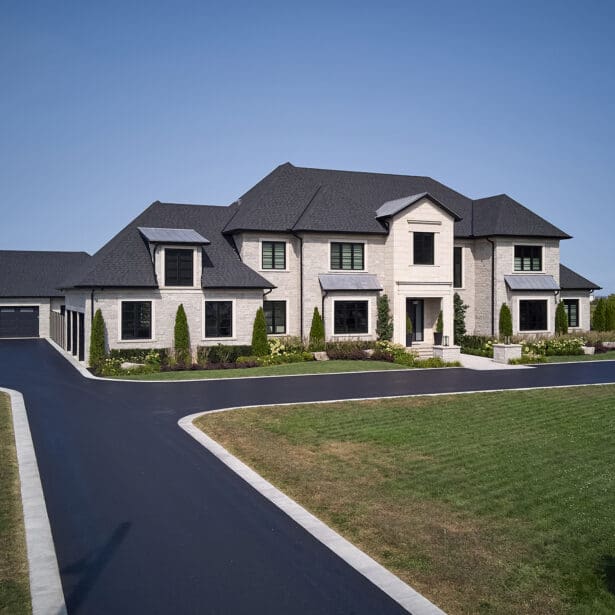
x=303, y=238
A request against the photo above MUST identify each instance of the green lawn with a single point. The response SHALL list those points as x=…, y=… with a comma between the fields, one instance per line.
x=496, y=503
x=14, y=584
x=289, y=369
x=606, y=356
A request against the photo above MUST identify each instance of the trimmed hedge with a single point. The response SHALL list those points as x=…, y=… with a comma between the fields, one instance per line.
x=97, y=341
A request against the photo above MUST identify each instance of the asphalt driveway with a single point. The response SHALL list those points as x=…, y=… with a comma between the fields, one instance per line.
x=147, y=521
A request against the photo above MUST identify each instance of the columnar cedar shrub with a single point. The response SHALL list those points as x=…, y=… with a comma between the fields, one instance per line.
x=97, y=341
x=599, y=320
x=459, y=322
x=505, y=321
x=182, y=338
x=609, y=314
x=317, y=333
x=260, y=347
x=384, y=326
x=561, y=319
x=439, y=323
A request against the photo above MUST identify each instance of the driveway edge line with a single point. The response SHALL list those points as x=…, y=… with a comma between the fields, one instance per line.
x=45, y=584
x=377, y=574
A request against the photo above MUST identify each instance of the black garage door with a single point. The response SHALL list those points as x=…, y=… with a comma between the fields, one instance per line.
x=18, y=321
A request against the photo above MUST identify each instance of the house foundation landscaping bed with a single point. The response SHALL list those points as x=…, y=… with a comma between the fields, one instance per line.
x=291, y=358
x=485, y=503
x=14, y=582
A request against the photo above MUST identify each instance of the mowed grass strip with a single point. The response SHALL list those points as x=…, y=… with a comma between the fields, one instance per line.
x=486, y=503
x=14, y=583
x=604, y=356
x=289, y=369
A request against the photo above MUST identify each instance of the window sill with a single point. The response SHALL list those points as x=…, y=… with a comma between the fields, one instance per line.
x=274, y=270
x=422, y=265
x=536, y=331
x=137, y=340
x=351, y=334
x=219, y=339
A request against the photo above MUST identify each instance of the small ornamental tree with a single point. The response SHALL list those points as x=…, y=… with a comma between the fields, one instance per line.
x=561, y=319
x=317, y=333
x=97, y=341
x=599, y=319
x=505, y=321
x=459, y=322
x=384, y=326
x=260, y=346
x=182, y=338
x=609, y=314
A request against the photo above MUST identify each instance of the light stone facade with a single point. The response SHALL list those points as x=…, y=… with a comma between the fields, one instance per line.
x=388, y=256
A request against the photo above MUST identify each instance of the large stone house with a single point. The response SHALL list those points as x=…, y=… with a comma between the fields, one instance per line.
x=303, y=238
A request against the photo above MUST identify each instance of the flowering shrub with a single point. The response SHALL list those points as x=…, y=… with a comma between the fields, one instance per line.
x=554, y=346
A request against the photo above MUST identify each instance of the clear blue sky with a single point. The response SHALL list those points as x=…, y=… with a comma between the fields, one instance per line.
x=108, y=106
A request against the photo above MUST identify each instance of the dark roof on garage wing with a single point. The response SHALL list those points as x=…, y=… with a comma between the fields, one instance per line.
x=126, y=261
x=321, y=200
x=571, y=280
x=25, y=273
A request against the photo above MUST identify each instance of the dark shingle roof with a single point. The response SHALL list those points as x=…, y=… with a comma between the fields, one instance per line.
x=126, y=261
x=571, y=280
x=322, y=200
x=36, y=274
x=501, y=215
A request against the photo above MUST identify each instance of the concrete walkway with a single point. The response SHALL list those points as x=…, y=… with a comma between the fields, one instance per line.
x=471, y=361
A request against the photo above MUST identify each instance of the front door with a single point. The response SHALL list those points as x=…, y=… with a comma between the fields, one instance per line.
x=414, y=311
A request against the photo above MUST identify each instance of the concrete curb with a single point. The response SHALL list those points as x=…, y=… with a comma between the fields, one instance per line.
x=386, y=581
x=45, y=585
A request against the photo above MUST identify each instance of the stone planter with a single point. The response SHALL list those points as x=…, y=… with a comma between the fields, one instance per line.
x=502, y=353
x=588, y=349
x=447, y=353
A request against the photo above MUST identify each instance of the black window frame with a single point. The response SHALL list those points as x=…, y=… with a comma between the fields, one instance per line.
x=176, y=267
x=356, y=254
x=341, y=320
x=275, y=316
x=276, y=247
x=135, y=330
x=216, y=325
x=457, y=267
x=524, y=256
x=528, y=321
x=567, y=304
x=423, y=251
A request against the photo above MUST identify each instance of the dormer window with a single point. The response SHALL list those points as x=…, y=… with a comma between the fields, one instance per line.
x=178, y=267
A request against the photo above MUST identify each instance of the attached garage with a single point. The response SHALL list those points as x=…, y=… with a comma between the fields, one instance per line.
x=19, y=321
x=30, y=297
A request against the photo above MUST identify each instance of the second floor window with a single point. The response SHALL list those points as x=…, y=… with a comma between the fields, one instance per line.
x=423, y=248
x=274, y=255
x=528, y=258
x=457, y=268
x=178, y=268
x=348, y=256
